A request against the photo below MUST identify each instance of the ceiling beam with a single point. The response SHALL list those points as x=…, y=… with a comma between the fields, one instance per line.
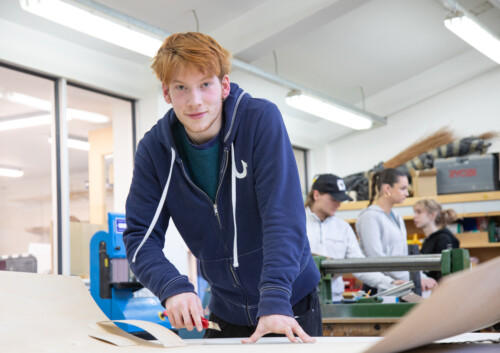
x=264, y=21
x=269, y=37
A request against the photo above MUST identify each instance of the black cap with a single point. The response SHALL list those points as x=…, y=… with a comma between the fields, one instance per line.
x=332, y=184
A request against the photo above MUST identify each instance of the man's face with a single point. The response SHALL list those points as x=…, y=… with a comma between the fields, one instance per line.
x=325, y=205
x=197, y=102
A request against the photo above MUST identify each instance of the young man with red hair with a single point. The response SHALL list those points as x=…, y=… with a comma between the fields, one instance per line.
x=221, y=166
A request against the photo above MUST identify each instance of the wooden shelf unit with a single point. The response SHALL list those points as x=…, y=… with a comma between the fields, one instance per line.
x=470, y=205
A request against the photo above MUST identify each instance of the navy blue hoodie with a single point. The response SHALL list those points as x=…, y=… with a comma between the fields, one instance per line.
x=251, y=243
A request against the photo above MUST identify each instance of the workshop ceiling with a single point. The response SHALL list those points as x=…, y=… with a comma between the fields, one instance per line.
x=380, y=55
x=352, y=50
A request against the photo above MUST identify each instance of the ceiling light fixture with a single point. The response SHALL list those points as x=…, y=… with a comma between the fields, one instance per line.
x=96, y=26
x=327, y=110
x=76, y=143
x=83, y=16
x=463, y=24
x=46, y=106
x=87, y=116
x=24, y=122
x=11, y=172
x=25, y=99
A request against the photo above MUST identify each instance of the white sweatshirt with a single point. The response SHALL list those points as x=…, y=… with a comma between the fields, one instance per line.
x=380, y=235
x=335, y=238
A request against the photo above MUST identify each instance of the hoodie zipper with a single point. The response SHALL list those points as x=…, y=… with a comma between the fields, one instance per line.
x=214, y=204
x=224, y=161
x=216, y=212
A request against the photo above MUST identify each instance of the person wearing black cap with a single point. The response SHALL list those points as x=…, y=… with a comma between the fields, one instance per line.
x=333, y=237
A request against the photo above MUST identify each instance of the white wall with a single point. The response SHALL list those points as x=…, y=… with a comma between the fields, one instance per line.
x=471, y=108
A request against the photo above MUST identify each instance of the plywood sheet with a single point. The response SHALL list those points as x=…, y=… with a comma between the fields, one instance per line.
x=465, y=301
x=49, y=313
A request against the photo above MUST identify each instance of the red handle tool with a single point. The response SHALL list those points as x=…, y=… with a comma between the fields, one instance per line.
x=205, y=323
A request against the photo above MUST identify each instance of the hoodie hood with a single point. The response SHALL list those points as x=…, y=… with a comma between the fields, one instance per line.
x=372, y=208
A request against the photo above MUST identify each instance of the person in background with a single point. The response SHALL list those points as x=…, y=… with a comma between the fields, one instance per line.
x=381, y=231
x=220, y=165
x=430, y=217
x=332, y=236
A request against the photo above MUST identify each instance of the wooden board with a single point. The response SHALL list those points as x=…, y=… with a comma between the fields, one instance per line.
x=50, y=313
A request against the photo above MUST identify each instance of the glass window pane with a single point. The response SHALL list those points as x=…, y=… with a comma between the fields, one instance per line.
x=26, y=103
x=300, y=158
x=96, y=160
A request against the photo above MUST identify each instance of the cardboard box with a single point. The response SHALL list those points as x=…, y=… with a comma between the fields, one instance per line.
x=80, y=234
x=472, y=238
x=424, y=182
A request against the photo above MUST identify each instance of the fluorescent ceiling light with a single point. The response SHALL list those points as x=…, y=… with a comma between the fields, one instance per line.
x=24, y=122
x=96, y=26
x=475, y=35
x=86, y=116
x=30, y=101
x=328, y=111
x=76, y=143
x=11, y=172
x=45, y=105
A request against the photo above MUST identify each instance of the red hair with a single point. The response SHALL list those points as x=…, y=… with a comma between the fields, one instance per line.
x=190, y=50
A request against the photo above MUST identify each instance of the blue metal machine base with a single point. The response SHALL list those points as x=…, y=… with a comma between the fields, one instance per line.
x=111, y=284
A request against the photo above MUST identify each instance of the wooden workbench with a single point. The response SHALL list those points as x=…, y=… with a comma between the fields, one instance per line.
x=357, y=326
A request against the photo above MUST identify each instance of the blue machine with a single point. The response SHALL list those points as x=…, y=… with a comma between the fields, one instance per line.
x=111, y=283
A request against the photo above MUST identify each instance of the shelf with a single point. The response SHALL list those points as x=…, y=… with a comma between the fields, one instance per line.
x=442, y=199
x=479, y=245
x=478, y=204
x=473, y=205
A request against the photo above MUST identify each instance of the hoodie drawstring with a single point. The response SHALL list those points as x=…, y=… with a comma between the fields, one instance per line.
x=158, y=209
x=164, y=196
x=233, y=199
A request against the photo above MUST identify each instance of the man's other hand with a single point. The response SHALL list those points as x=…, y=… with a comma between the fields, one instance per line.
x=280, y=324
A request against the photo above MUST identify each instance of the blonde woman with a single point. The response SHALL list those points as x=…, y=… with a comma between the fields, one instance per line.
x=432, y=219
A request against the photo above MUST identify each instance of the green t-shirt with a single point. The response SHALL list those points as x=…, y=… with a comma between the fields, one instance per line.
x=201, y=161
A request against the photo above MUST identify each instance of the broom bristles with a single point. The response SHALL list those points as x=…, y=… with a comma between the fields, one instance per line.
x=441, y=137
x=489, y=135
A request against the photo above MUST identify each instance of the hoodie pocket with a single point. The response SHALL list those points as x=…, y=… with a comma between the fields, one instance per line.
x=218, y=273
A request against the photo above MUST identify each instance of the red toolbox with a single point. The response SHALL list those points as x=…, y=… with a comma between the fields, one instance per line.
x=472, y=173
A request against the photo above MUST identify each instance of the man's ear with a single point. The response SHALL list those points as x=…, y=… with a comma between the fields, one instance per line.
x=166, y=95
x=315, y=195
x=226, y=87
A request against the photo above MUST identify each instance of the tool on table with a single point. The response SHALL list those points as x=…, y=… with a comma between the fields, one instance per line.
x=206, y=324
x=398, y=291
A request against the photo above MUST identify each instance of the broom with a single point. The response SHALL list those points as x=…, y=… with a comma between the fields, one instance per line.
x=441, y=137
